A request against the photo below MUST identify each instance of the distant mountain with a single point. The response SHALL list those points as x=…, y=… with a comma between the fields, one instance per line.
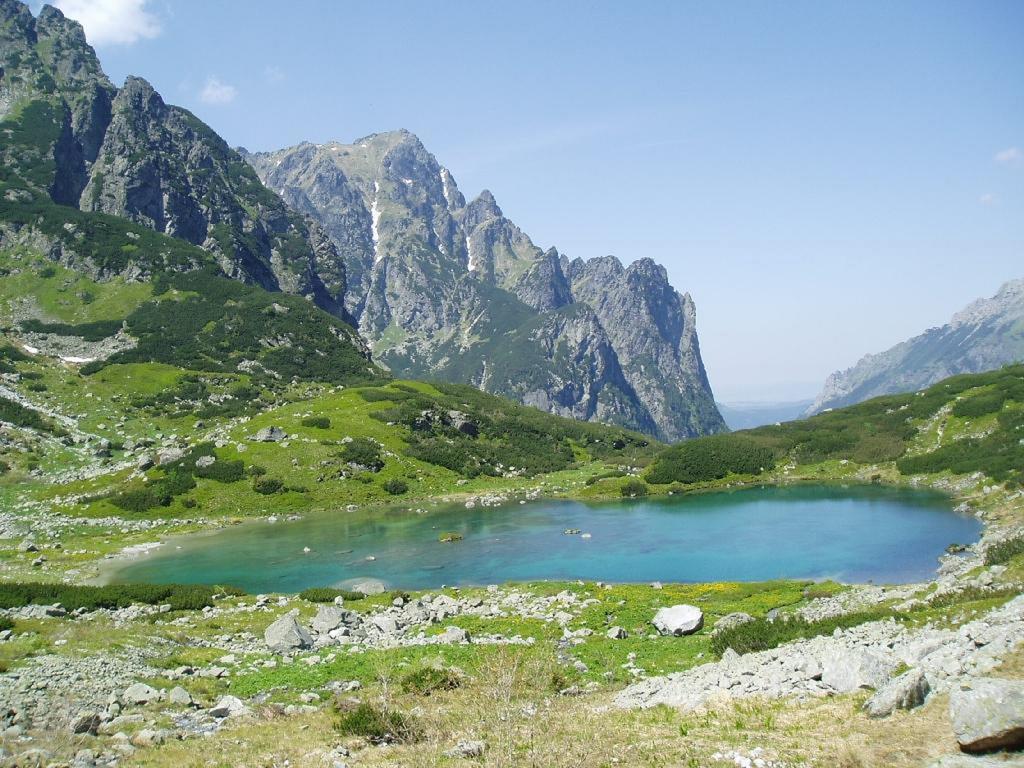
x=750, y=415
x=987, y=334
x=442, y=288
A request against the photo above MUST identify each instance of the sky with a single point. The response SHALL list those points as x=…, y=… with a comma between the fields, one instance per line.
x=826, y=179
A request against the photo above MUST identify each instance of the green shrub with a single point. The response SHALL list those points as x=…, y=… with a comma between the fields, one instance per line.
x=4, y=467
x=327, y=594
x=20, y=416
x=605, y=476
x=427, y=680
x=633, y=488
x=711, y=458
x=318, y=422
x=255, y=470
x=222, y=470
x=761, y=634
x=6, y=623
x=363, y=452
x=267, y=485
x=377, y=725
x=396, y=487
x=179, y=596
x=1003, y=551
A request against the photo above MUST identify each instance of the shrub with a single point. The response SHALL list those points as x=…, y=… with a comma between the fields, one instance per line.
x=318, y=422
x=711, y=458
x=605, y=476
x=761, y=634
x=4, y=467
x=327, y=594
x=426, y=680
x=6, y=623
x=377, y=725
x=267, y=485
x=363, y=452
x=223, y=471
x=633, y=488
x=20, y=416
x=255, y=470
x=1003, y=551
x=396, y=487
x=72, y=597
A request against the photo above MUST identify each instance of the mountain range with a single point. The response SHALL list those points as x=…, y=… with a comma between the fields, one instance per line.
x=986, y=334
x=376, y=233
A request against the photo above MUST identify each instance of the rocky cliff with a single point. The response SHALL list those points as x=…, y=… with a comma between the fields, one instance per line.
x=449, y=289
x=74, y=138
x=987, y=334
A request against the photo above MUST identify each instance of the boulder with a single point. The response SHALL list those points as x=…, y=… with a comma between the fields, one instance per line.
x=180, y=696
x=617, y=633
x=731, y=620
x=229, y=706
x=271, y=434
x=369, y=587
x=327, y=618
x=27, y=545
x=139, y=693
x=989, y=714
x=907, y=691
x=206, y=461
x=848, y=670
x=286, y=634
x=453, y=635
x=467, y=750
x=167, y=456
x=85, y=722
x=679, y=620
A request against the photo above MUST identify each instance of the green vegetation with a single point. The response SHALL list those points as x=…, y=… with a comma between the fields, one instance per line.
x=1003, y=551
x=363, y=453
x=179, y=478
x=711, y=458
x=429, y=679
x=633, y=488
x=180, y=597
x=377, y=725
x=20, y=416
x=328, y=594
x=6, y=623
x=396, y=487
x=762, y=634
x=93, y=331
x=317, y=422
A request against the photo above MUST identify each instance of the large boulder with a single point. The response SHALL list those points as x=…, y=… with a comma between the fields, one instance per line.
x=988, y=714
x=327, y=618
x=679, y=620
x=907, y=691
x=271, y=434
x=286, y=634
x=139, y=693
x=229, y=706
x=731, y=620
x=848, y=670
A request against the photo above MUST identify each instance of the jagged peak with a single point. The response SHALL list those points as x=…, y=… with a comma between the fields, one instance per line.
x=18, y=15
x=485, y=206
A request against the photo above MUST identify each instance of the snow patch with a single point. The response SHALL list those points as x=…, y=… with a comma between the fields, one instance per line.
x=470, y=261
x=31, y=350
x=374, y=222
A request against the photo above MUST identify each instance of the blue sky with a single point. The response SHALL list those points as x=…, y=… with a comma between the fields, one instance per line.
x=825, y=178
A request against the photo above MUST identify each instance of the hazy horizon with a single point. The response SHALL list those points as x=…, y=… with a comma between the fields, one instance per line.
x=815, y=175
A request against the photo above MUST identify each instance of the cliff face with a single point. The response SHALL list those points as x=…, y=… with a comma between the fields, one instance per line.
x=445, y=288
x=987, y=334
x=126, y=153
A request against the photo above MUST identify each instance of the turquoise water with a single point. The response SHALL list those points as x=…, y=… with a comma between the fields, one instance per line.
x=852, y=534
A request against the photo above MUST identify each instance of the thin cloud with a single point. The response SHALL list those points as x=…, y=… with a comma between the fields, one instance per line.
x=216, y=92
x=989, y=199
x=1012, y=156
x=273, y=75
x=112, y=22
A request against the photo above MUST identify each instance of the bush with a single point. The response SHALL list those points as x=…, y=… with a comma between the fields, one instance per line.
x=20, y=416
x=363, y=452
x=255, y=470
x=179, y=596
x=761, y=634
x=633, y=488
x=6, y=623
x=711, y=458
x=426, y=680
x=223, y=471
x=1003, y=551
x=396, y=487
x=267, y=485
x=327, y=594
x=319, y=422
x=378, y=726
x=4, y=467
x=605, y=476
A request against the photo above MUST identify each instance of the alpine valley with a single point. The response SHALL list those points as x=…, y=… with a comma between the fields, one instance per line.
x=307, y=461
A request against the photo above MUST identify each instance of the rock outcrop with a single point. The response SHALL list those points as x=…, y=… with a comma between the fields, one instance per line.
x=442, y=288
x=986, y=335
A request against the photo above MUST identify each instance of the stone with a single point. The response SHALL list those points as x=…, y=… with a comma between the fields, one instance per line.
x=327, y=618
x=139, y=693
x=286, y=634
x=180, y=696
x=848, y=670
x=229, y=706
x=989, y=714
x=467, y=749
x=907, y=691
x=150, y=737
x=144, y=462
x=731, y=620
x=167, y=456
x=27, y=545
x=453, y=635
x=206, y=461
x=85, y=722
x=369, y=587
x=617, y=633
x=679, y=620
x=272, y=434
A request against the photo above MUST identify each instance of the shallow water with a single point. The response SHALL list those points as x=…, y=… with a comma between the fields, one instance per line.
x=858, y=534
